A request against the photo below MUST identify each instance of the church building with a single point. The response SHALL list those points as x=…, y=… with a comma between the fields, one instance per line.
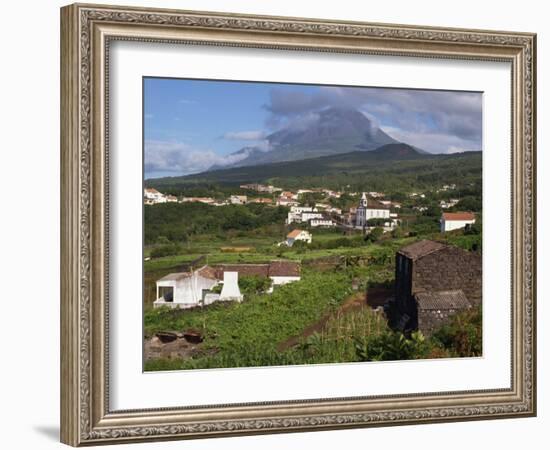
x=370, y=209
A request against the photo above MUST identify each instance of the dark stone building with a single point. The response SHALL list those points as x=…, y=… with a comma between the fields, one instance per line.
x=433, y=281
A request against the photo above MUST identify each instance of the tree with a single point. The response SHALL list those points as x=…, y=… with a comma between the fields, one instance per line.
x=254, y=284
x=378, y=222
x=374, y=235
x=166, y=250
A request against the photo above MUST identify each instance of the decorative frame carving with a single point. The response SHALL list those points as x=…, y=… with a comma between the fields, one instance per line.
x=86, y=31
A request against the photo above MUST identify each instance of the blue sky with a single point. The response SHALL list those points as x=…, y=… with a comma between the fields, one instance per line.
x=190, y=125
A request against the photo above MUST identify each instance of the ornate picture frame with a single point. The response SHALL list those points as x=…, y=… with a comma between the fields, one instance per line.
x=86, y=34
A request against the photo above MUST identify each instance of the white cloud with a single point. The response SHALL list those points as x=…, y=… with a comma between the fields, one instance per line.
x=449, y=112
x=254, y=135
x=177, y=158
x=433, y=142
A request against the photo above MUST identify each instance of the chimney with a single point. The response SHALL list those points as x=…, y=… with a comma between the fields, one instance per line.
x=230, y=289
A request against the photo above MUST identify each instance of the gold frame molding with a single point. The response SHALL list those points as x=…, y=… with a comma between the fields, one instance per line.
x=86, y=31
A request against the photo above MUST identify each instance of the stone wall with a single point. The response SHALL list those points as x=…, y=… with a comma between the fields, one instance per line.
x=446, y=269
x=430, y=320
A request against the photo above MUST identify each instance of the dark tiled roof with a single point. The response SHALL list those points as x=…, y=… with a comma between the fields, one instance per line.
x=442, y=300
x=273, y=269
x=421, y=248
x=175, y=276
x=284, y=269
x=261, y=270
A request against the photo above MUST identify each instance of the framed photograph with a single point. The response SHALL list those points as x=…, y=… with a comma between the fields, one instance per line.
x=276, y=224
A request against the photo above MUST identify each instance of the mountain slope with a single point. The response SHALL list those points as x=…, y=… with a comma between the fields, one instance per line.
x=383, y=164
x=328, y=132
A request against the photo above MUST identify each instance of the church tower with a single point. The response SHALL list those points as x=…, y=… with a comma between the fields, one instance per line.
x=361, y=214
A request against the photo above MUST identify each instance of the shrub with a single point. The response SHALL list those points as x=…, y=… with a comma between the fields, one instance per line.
x=397, y=233
x=462, y=336
x=254, y=284
x=166, y=250
x=374, y=235
x=391, y=346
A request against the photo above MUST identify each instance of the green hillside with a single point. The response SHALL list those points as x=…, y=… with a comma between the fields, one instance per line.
x=391, y=167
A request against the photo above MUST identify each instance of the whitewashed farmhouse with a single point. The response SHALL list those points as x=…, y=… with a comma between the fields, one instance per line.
x=370, y=209
x=456, y=220
x=307, y=216
x=298, y=235
x=194, y=288
x=323, y=222
x=185, y=289
x=154, y=196
x=238, y=199
x=295, y=213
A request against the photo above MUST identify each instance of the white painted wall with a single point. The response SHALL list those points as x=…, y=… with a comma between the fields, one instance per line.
x=187, y=291
x=311, y=215
x=448, y=225
x=321, y=223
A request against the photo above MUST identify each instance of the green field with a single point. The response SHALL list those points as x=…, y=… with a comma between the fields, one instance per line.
x=249, y=333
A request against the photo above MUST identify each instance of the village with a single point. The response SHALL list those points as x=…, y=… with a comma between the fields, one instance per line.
x=411, y=299
x=372, y=211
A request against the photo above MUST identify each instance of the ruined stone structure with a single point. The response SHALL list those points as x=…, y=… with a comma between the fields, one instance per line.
x=433, y=281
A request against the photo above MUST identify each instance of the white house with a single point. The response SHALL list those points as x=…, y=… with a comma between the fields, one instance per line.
x=280, y=272
x=321, y=223
x=445, y=205
x=153, y=195
x=307, y=216
x=375, y=194
x=185, y=289
x=295, y=213
x=370, y=209
x=192, y=289
x=283, y=272
x=298, y=235
x=238, y=199
x=456, y=220
x=286, y=201
x=205, y=200
x=171, y=199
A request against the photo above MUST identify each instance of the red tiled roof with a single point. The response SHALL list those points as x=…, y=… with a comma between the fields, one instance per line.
x=459, y=216
x=293, y=233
